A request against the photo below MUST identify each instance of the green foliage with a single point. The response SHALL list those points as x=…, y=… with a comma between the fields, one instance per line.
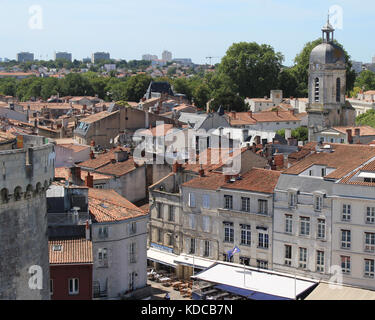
x=366, y=80
x=367, y=118
x=354, y=93
x=301, y=133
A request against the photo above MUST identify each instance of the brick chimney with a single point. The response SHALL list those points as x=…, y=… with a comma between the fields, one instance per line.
x=349, y=135
x=201, y=171
x=92, y=156
x=89, y=181
x=279, y=161
x=227, y=178
x=87, y=230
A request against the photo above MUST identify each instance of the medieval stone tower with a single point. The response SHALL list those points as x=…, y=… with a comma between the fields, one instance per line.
x=327, y=85
x=26, y=173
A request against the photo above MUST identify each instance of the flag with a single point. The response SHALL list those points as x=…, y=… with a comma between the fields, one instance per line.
x=233, y=251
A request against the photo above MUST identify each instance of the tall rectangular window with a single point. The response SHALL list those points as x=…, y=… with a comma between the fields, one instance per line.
x=346, y=212
x=159, y=210
x=292, y=199
x=245, y=235
x=262, y=264
x=318, y=203
x=369, y=242
x=228, y=232
x=320, y=261
x=103, y=232
x=303, y=258
x=305, y=226
x=192, y=246
x=262, y=206
x=288, y=255
x=345, y=239
x=228, y=202
x=206, y=252
x=245, y=204
x=206, y=201
x=245, y=261
x=171, y=213
x=369, y=268
x=73, y=286
x=321, y=229
x=131, y=281
x=288, y=223
x=263, y=240
x=160, y=235
x=345, y=264
x=103, y=257
x=191, y=200
x=132, y=252
x=370, y=216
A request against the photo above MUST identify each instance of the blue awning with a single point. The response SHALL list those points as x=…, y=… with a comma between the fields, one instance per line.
x=250, y=294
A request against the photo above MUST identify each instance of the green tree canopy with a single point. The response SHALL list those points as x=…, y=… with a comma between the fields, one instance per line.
x=367, y=119
x=366, y=80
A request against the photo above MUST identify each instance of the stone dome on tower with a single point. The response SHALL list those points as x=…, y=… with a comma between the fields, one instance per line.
x=328, y=52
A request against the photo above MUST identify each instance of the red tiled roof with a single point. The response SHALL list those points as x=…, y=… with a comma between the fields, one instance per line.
x=107, y=205
x=72, y=251
x=344, y=159
x=239, y=118
x=64, y=173
x=364, y=130
x=118, y=168
x=102, y=159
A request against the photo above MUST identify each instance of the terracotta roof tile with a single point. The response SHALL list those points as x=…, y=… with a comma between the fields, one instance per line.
x=72, y=251
x=102, y=159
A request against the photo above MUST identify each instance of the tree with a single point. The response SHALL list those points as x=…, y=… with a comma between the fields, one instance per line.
x=300, y=134
x=136, y=87
x=367, y=118
x=288, y=82
x=366, y=80
x=183, y=86
x=74, y=84
x=201, y=95
x=253, y=68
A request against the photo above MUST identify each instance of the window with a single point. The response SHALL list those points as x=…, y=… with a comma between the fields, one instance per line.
x=170, y=239
x=206, y=201
x=51, y=286
x=369, y=268
x=321, y=229
x=228, y=232
x=320, y=261
x=171, y=213
x=317, y=90
x=245, y=204
x=103, y=232
x=338, y=89
x=345, y=264
x=305, y=226
x=73, y=286
x=192, y=221
x=228, y=202
x=345, y=239
x=132, y=253
x=206, y=223
x=346, y=212
x=292, y=199
x=369, y=242
x=245, y=261
x=370, y=216
x=288, y=223
x=262, y=264
x=131, y=281
x=262, y=207
x=103, y=257
x=263, y=240
x=288, y=255
x=160, y=235
x=191, y=200
x=133, y=228
x=318, y=203
x=206, y=252
x=302, y=258
x=245, y=235
x=323, y=172
x=192, y=246
x=159, y=210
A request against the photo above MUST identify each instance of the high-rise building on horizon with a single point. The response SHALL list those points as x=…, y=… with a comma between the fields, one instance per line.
x=63, y=55
x=25, y=56
x=99, y=56
x=166, y=56
x=149, y=57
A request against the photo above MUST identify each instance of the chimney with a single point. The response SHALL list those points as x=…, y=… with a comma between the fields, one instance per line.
x=227, y=178
x=175, y=167
x=349, y=135
x=279, y=161
x=92, y=156
x=76, y=175
x=87, y=230
x=357, y=132
x=201, y=171
x=89, y=181
x=121, y=155
x=84, y=107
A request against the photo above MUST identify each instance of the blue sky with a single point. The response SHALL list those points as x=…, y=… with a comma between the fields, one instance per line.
x=188, y=28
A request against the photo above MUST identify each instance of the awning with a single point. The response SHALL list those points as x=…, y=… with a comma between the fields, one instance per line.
x=256, y=284
x=191, y=261
x=162, y=257
x=325, y=291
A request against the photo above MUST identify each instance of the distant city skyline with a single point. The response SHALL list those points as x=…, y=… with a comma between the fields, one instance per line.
x=194, y=29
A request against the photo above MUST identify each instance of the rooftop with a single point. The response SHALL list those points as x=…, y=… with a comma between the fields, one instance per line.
x=70, y=251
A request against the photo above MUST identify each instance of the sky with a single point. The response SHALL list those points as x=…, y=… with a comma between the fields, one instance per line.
x=194, y=29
